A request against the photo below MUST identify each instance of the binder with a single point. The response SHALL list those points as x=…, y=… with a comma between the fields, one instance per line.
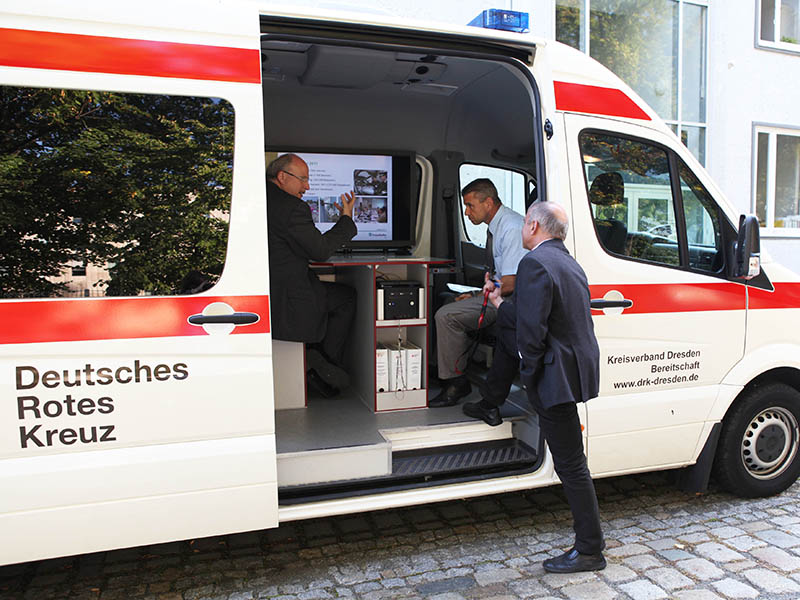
x=413, y=366
x=404, y=366
x=381, y=368
x=397, y=368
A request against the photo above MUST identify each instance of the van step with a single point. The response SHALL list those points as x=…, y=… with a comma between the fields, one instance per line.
x=468, y=457
x=425, y=466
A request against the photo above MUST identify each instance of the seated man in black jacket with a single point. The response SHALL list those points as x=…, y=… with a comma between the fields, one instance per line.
x=305, y=309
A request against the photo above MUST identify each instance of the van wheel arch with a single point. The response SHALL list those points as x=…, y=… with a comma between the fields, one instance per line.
x=758, y=453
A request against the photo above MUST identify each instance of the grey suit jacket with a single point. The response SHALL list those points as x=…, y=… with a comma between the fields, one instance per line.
x=560, y=358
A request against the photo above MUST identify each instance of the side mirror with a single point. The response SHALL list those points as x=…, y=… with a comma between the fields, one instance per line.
x=747, y=252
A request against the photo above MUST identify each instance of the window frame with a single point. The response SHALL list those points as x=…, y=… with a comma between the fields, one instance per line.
x=773, y=45
x=772, y=171
x=65, y=276
x=527, y=178
x=727, y=230
x=679, y=125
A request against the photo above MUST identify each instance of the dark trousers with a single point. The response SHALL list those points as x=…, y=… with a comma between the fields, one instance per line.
x=505, y=365
x=561, y=429
x=340, y=305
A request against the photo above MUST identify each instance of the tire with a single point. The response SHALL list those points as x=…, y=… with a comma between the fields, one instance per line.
x=758, y=451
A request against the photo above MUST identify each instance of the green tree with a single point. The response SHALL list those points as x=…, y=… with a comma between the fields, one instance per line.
x=137, y=182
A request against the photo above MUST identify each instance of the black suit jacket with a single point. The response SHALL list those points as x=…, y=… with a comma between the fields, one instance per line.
x=297, y=295
x=560, y=358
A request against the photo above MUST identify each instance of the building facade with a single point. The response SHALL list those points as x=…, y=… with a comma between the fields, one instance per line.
x=723, y=75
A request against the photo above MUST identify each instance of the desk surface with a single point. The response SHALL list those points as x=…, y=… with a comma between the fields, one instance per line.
x=356, y=259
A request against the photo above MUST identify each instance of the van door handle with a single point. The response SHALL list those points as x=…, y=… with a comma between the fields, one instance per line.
x=237, y=318
x=600, y=304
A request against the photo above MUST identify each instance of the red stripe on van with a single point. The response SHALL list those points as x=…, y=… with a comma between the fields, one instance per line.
x=676, y=297
x=97, y=54
x=786, y=295
x=576, y=97
x=85, y=319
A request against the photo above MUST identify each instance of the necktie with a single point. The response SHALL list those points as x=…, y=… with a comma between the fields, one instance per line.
x=489, y=259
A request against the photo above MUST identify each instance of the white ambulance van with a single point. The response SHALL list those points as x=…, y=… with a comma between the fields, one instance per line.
x=142, y=396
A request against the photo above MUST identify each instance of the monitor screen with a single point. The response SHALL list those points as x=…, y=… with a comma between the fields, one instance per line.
x=381, y=184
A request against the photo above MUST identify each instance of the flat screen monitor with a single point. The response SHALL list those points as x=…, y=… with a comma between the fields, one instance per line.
x=382, y=186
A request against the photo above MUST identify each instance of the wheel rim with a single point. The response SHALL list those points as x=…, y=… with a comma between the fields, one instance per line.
x=770, y=443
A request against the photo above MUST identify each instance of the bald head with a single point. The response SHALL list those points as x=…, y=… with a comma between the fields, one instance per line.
x=551, y=217
x=544, y=221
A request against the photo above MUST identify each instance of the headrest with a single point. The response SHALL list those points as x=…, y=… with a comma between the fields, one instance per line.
x=607, y=189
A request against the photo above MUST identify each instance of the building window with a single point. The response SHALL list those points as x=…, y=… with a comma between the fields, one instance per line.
x=776, y=193
x=779, y=24
x=658, y=47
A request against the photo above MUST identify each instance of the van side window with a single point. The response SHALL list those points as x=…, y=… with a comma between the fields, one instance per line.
x=510, y=187
x=112, y=194
x=703, y=232
x=631, y=197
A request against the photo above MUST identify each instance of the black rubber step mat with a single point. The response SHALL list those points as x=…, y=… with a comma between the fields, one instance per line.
x=424, y=467
x=466, y=457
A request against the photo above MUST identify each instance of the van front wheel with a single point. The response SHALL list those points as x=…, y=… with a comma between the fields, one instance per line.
x=758, y=447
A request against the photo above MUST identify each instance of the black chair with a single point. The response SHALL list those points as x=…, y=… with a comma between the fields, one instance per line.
x=608, y=189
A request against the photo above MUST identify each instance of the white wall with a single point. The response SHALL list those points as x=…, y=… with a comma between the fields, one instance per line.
x=746, y=85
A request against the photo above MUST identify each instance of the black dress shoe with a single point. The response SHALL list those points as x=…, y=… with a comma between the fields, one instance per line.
x=455, y=390
x=334, y=376
x=318, y=386
x=573, y=562
x=479, y=410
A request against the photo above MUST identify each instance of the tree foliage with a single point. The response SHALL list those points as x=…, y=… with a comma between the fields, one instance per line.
x=139, y=183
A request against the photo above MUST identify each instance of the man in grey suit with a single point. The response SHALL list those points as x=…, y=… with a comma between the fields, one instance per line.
x=453, y=321
x=546, y=329
x=305, y=309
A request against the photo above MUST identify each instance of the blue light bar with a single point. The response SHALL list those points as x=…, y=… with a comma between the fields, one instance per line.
x=498, y=18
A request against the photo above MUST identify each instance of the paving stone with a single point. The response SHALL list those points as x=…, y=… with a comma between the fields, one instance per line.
x=595, y=590
x=700, y=568
x=673, y=555
x=739, y=565
x=616, y=573
x=669, y=578
x=730, y=588
x=724, y=533
x=662, y=544
x=717, y=552
x=527, y=588
x=696, y=595
x=491, y=576
x=779, y=538
x=643, y=590
x=446, y=585
x=642, y=562
x=770, y=581
x=777, y=557
x=558, y=580
x=628, y=550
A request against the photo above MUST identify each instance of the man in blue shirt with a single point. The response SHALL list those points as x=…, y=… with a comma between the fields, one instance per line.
x=453, y=321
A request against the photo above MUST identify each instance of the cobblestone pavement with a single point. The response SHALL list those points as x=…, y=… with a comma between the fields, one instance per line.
x=662, y=543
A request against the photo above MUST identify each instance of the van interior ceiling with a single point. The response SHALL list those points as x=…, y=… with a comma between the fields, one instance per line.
x=330, y=97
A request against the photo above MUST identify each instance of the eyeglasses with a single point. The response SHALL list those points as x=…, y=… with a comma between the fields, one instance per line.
x=303, y=179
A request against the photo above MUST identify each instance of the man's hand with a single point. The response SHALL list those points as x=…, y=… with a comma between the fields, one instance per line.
x=346, y=207
x=488, y=284
x=495, y=296
x=463, y=296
